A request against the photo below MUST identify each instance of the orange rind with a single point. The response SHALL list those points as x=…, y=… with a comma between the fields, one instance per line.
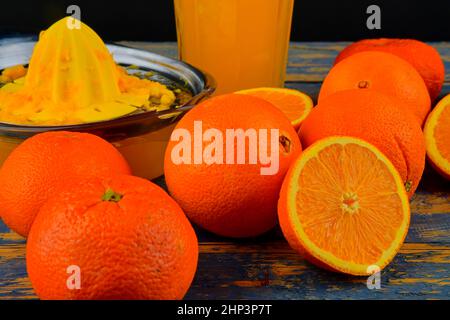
x=437, y=137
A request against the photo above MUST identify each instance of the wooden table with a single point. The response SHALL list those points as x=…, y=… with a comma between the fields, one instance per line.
x=266, y=268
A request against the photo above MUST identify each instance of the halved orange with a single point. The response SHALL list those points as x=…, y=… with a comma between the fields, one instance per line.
x=295, y=104
x=437, y=137
x=344, y=207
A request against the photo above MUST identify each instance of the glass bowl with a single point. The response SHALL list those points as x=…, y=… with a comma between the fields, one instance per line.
x=142, y=137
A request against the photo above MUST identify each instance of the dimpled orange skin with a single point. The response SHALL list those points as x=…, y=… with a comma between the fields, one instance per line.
x=423, y=57
x=43, y=164
x=141, y=247
x=375, y=118
x=232, y=200
x=383, y=72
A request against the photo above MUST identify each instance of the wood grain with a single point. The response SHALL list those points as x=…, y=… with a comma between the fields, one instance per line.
x=265, y=267
x=272, y=270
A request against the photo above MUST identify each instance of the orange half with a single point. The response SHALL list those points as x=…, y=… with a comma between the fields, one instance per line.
x=295, y=104
x=344, y=207
x=437, y=137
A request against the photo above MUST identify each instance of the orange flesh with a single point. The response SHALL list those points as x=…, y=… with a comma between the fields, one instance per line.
x=442, y=133
x=294, y=104
x=348, y=203
x=437, y=136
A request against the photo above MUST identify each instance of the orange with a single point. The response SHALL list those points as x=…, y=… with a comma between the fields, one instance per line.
x=374, y=117
x=423, y=57
x=224, y=197
x=43, y=164
x=295, y=104
x=344, y=207
x=123, y=235
x=383, y=72
x=437, y=137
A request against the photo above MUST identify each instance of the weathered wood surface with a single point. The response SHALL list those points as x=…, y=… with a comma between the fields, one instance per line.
x=265, y=267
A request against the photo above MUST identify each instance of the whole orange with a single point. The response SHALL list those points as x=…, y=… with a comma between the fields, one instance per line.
x=121, y=237
x=375, y=118
x=383, y=72
x=43, y=164
x=223, y=196
x=423, y=57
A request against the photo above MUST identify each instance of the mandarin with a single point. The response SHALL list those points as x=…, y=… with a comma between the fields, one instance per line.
x=120, y=237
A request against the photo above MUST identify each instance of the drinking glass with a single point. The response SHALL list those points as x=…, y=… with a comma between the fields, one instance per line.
x=242, y=43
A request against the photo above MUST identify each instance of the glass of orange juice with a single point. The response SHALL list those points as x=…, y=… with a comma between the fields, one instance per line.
x=242, y=43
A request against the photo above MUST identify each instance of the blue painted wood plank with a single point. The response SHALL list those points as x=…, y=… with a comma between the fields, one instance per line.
x=275, y=271
x=308, y=61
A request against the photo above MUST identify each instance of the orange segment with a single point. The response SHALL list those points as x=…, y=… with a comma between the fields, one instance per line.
x=437, y=136
x=343, y=205
x=294, y=104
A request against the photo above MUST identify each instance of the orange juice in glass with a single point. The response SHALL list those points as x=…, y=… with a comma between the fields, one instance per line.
x=242, y=43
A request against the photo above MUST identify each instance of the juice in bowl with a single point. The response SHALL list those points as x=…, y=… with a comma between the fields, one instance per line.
x=70, y=80
x=242, y=43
